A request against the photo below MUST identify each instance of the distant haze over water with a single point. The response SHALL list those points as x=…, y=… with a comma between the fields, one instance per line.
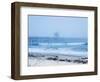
x=57, y=40
x=62, y=26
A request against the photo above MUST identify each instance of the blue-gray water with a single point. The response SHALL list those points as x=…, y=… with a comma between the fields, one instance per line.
x=35, y=42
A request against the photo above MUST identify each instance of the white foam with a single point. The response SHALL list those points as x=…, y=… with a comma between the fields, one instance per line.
x=64, y=51
x=76, y=43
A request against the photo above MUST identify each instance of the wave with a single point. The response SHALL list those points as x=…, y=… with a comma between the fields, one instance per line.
x=64, y=51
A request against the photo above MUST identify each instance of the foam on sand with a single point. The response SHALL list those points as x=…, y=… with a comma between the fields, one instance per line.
x=58, y=51
x=49, y=57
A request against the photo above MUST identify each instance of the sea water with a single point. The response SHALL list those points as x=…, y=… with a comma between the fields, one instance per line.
x=76, y=44
x=43, y=48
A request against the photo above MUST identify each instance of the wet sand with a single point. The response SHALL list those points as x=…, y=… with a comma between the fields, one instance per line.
x=47, y=59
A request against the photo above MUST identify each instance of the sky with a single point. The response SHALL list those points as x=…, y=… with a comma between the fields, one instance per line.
x=47, y=26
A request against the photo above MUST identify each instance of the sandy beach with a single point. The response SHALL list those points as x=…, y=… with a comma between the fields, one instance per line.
x=42, y=57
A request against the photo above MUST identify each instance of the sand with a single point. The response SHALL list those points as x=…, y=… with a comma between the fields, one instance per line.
x=41, y=59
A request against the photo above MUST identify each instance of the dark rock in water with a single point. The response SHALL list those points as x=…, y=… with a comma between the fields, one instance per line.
x=84, y=58
x=62, y=60
x=77, y=61
x=84, y=62
x=55, y=58
x=33, y=56
x=68, y=60
x=80, y=61
x=52, y=58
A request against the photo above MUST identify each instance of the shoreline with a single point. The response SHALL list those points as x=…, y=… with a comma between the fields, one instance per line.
x=41, y=59
x=63, y=51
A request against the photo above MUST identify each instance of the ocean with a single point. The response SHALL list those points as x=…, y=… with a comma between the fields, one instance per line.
x=45, y=51
x=76, y=44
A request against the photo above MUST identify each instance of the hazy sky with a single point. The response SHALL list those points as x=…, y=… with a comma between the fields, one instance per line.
x=76, y=27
